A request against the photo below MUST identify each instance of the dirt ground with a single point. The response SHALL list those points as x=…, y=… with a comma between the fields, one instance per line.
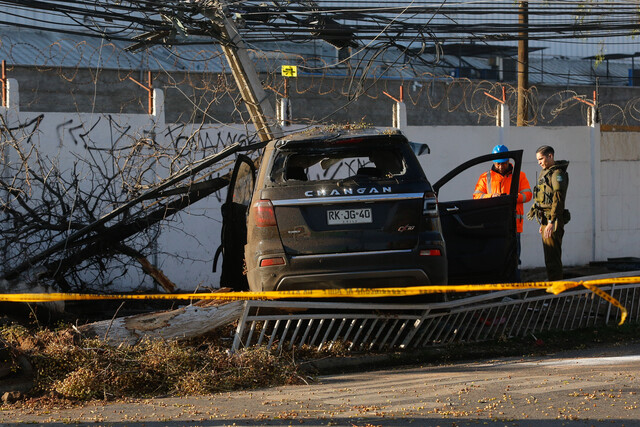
x=587, y=387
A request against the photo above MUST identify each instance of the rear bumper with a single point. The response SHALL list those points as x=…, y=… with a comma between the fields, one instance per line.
x=391, y=268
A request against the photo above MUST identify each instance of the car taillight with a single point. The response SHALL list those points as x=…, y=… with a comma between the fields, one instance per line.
x=430, y=204
x=266, y=262
x=265, y=216
x=430, y=252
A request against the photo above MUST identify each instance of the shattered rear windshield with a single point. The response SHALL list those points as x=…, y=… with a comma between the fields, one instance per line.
x=378, y=163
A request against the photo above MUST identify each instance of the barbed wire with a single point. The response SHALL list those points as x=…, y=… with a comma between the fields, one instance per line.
x=201, y=79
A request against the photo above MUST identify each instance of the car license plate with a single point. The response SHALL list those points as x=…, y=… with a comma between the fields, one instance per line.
x=349, y=216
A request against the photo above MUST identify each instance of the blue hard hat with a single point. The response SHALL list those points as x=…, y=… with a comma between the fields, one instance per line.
x=500, y=149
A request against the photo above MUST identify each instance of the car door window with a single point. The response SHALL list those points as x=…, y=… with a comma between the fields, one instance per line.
x=242, y=184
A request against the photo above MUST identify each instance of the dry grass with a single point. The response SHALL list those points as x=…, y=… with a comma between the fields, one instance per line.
x=75, y=368
x=71, y=369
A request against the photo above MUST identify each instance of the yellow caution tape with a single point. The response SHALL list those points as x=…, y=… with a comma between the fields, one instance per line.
x=273, y=295
x=605, y=296
x=561, y=286
x=551, y=287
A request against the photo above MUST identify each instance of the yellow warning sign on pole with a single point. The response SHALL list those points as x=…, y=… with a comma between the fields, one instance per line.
x=289, y=70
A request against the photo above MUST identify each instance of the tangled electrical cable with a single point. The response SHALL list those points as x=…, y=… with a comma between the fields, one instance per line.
x=178, y=21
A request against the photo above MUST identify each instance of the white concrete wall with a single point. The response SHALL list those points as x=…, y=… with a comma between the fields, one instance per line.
x=620, y=197
x=585, y=239
x=601, y=227
x=193, y=235
x=187, y=243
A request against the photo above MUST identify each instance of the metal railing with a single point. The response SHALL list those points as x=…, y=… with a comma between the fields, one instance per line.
x=360, y=327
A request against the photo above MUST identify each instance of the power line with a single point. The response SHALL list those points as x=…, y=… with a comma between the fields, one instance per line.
x=455, y=20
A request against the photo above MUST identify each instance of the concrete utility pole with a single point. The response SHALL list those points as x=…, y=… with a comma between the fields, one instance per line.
x=244, y=72
x=523, y=65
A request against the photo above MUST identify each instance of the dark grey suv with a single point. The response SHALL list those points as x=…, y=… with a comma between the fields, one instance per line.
x=343, y=209
x=353, y=208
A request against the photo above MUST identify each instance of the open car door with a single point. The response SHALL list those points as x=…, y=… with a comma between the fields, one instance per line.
x=480, y=234
x=234, y=226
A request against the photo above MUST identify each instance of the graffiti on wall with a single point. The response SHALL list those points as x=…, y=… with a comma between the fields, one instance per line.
x=68, y=170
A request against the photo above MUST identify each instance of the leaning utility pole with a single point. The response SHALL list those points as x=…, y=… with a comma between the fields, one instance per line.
x=523, y=64
x=244, y=72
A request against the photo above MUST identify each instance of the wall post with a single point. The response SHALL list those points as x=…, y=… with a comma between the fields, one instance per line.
x=595, y=139
x=157, y=109
x=399, y=117
x=12, y=95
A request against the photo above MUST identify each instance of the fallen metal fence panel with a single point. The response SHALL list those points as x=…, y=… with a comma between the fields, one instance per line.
x=378, y=327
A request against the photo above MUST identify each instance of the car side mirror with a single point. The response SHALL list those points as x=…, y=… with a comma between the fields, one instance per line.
x=419, y=148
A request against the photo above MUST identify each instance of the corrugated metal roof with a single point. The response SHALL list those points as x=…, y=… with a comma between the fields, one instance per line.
x=48, y=49
x=585, y=46
x=565, y=71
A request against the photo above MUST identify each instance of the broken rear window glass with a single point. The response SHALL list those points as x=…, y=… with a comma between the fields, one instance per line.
x=369, y=163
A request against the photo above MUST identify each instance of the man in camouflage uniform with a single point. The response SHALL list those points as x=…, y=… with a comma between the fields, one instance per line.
x=549, y=195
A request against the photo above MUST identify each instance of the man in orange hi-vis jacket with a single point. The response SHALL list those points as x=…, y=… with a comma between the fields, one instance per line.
x=497, y=182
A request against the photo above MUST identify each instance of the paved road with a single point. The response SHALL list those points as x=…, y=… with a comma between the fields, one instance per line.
x=591, y=387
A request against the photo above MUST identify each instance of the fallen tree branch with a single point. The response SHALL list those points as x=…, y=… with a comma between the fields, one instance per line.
x=108, y=239
x=157, y=275
x=183, y=323
x=148, y=268
x=124, y=208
